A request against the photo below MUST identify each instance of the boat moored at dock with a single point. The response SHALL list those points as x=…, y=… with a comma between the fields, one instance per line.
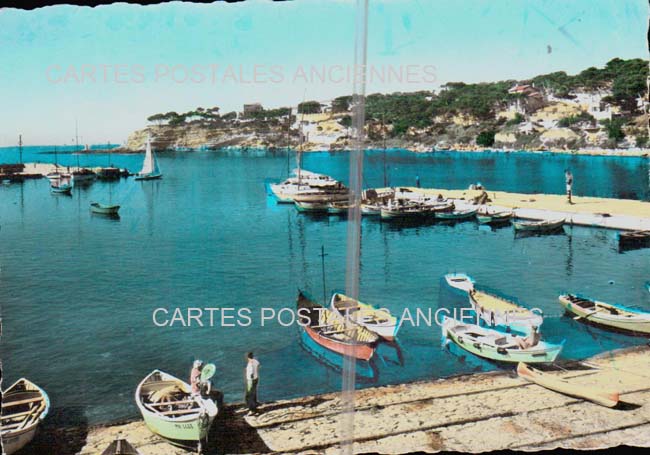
x=457, y=215
x=608, y=315
x=495, y=345
x=24, y=406
x=495, y=218
x=539, y=226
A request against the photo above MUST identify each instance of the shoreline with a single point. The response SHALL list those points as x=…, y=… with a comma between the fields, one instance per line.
x=622, y=153
x=430, y=416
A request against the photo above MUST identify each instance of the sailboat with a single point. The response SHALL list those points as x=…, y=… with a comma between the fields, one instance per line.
x=150, y=170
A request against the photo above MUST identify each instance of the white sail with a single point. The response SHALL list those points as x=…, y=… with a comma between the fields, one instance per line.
x=148, y=165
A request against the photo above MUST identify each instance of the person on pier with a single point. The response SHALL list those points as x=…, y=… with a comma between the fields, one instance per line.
x=251, y=378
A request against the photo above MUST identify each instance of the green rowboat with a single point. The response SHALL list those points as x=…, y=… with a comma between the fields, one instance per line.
x=494, y=345
x=607, y=314
x=172, y=412
x=104, y=209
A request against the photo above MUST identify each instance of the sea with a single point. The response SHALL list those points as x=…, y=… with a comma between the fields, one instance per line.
x=90, y=305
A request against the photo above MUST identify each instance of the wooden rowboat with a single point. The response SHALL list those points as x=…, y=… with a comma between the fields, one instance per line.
x=24, y=406
x=607, y=314
x=494, y=218
x=499, y=311
x=377, y=320
x=494, y=345
x=338, y=208
x=605, y=398
x=63, y=188
x=331, y=331
x=460, y=281
x=104, y=209
x=539, y=226
x=456, y=215
x=171, y=411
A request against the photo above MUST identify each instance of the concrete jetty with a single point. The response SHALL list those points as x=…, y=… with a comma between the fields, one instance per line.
x=470, y=413
x=622, y=214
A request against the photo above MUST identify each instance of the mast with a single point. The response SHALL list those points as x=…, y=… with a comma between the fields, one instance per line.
x=76, y=141
x=383, y=134
x=322, y=257
x=20, y=148
x=289, y=143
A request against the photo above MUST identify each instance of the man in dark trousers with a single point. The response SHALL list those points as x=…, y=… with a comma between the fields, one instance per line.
x=568, y=178
x=252, y=378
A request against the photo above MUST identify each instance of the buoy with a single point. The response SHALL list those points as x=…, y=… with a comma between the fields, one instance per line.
x=611, y=281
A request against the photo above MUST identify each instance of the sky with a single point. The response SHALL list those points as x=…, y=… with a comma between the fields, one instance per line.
x=108, y=68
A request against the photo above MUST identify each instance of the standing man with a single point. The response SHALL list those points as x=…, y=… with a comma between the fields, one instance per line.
x=568, y=177
x=417, y=181
x=252, y=378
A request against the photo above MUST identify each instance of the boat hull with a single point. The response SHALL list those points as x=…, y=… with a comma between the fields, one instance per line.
x=460, y=282
x=541, y=226
x=542, y=353
x=604, y=398
x=497, y=218
x=320, y=207
x=639, y=324
x=360, y=351
x=386, y=330
x=148, y=176
x=15, y=440
x=104, y=209
x=67, y=189
x=456, y=216
x=513, y=316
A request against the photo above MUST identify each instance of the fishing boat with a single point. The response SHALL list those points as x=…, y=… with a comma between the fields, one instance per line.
x=539, y=226
x=377, y=320
x=456, y=215
x=460, y=281
x=439, y=207
x=499, y=311
x=171, y=411
x=606, y=314
x=403, y=210
x=104, y=209
x=24, y=406
x=120, y=447
x=331, y=331
x=150, y=170
x=607, y=398
x=494, y=345
x=310, y=195
x=494, y=218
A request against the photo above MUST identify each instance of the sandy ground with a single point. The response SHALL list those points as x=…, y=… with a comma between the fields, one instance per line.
x=471, y=413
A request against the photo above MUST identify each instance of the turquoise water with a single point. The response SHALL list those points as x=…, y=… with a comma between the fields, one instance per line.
x=78, y=291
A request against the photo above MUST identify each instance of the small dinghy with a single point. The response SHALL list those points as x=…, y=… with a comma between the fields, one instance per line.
x=120, y=447
x=61, y=186
x=104, y=209
x=495, y=345
x=376, y=320
x=331, y=331
x=596, y=395
x=171, y=411
x=24, y=406
x=457, y=215
x=539, y=226
x=460, y=281
x=607, y=314
x=499, y=311
x=494, y=218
